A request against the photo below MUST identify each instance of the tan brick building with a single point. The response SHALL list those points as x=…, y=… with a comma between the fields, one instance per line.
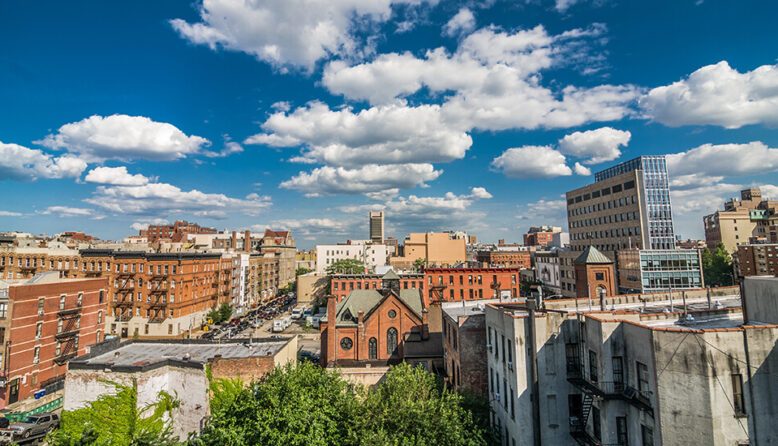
x=741, y=220
x=437, y=248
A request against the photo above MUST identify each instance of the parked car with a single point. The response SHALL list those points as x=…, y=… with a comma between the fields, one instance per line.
x=32, y=426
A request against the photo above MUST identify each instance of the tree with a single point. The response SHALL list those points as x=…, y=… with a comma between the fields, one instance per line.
x=116, y=419
x=419, y=265
x=300, y=271
x=717, y=266
x=412, y=407
x=346, y=266
x=299, y=404
x=220, y=314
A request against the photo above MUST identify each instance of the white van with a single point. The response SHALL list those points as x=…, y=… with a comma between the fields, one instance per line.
x=297, y=313
x=315, y=321
x=287, y=321
x=278, y=325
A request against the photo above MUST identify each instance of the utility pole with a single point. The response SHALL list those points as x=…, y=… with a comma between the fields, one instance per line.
x=533, y=364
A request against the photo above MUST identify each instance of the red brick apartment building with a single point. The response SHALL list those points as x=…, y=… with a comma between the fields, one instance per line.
x=512, y=259
x=438, y=284
x=44, y=322
x=176, y=232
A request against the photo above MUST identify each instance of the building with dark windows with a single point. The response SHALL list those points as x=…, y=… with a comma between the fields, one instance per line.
x=376, y=227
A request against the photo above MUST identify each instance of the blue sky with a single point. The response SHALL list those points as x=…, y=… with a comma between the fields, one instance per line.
x=473, y=115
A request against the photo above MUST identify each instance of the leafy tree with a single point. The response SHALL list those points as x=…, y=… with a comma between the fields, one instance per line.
x=412, y=407
x=301, y=271
x=298, y=404
x=221, y=314
x=116, y=420
x=346, y=266
x=419, y=264
x=717, y=266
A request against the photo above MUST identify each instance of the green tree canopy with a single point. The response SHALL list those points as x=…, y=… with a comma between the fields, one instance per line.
x=717, y=267
x=306, y=405
x=300, y=271
x=220, y=314
x=116, y=420
x=419, y=264
x=346, y=266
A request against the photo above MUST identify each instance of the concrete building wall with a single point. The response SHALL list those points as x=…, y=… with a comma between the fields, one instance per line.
x=760, y=298
x=189, y=385
x=311, y=288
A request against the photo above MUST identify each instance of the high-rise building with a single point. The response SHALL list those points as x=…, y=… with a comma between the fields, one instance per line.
x=376, y=226
x=741, y=220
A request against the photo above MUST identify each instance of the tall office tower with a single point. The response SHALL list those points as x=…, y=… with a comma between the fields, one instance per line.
x=376, y=226
x=628, y=206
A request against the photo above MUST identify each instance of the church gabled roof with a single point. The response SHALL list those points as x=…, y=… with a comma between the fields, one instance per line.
x=366, y=301
x=390, y=275
x=592, y=255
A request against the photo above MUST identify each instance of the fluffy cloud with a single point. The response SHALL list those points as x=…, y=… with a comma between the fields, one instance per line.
x=144, y=223
x=286, y=32
x=492, y=80
x=123, y=137
x=230, y=147
x=580, y=169
x=166, y=199
x=717, y=95
x=366, y=179
x=394, y=133
x=532, y=162
x=65, y=211
x=462, y=22
x=116, y=176
x=597, y=146
x=547, y=212
x=709, y=163
x=10, y=214
x=22, y=164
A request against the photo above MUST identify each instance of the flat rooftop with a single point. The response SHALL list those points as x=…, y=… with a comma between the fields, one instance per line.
x=659, y=306
x=699, y=321
x=150, y=353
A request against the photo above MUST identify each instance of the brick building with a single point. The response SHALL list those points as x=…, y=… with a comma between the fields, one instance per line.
x=512, y=259
x=160, y=294
x=44, y=322
x=458, y=284
x=22, y=259
x=343, y=284
x=756, y=260
x=379, y=327
x=281, y=245
x=177, y=232
x=594, y=274
x=464, y=346
x=744, y=218
x=541, y=236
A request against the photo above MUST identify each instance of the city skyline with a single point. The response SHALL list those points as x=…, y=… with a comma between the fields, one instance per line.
x=169, y=115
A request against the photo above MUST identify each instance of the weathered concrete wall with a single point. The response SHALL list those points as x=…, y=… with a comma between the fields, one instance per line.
x=762, y=389
x=761, y=299
x=189, y=385
x=366, y=376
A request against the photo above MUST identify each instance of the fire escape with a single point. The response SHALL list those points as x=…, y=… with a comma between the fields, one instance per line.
x=158, y=298
x=123, y=297
x=67, y=335
x=591, y=388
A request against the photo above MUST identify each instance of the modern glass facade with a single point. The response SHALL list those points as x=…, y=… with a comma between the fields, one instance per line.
x=670, y=269
x=656, y=190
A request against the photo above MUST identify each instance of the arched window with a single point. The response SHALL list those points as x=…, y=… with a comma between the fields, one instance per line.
x=372, y=348
x=391, y=341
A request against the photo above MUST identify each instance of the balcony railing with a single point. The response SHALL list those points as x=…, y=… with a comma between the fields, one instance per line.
x=608, y=390
x=68, y=311
x=156, y=320
x=66, y=334
x=157, y=304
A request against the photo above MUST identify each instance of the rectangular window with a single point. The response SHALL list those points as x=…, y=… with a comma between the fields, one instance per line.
x=647, y=435
x=618, y=373
x=3, y=310
x=36, y=355
x=737, y=394
x=38, y=330
x=622, y=438
x=62, y=302
x=642, y=376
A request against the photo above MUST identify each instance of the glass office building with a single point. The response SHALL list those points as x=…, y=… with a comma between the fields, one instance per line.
x=649, y=270
x=656, y=191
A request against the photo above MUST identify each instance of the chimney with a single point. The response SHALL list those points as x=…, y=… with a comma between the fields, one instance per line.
x=332, y=331
x=361, y=324
x=425, y=324
x=234, y=240
x=247, y=240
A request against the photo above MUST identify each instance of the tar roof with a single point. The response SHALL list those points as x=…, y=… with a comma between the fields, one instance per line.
x=141, y=353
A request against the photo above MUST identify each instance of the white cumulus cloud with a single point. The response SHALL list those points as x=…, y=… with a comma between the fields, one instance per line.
x=115, y=176
x=370, y=178
x=580, y=169
x=596, y=146
x=532, y=162
x=716, y=161
x=10, y=214
x=286, y=32
x=22, y=164
x=66, y=211
x=124, y=137
x=717, y=95
x=462, y=22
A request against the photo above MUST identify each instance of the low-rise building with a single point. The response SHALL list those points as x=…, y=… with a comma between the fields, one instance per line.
x=547, y=272
x=311, y=288
x=461, y=284
x=744, y=218
x=541, y=235
x=44, y=322
x=175, y=366
x=510, y=259
x=650, y=270
x=437, y=249
x=371, y=255
x=380, y=327
x=343, y=284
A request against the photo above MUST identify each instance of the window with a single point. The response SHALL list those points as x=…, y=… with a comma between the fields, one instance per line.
x=392, y=314
x=59, y=326
x=592, y=366
x=100, y=317
x=642, y=377
x=36, y=355
x=647, y=435
x=622, y=438
x=59, y=349
x=618, y=373
x=38, y=330
x=391, y=341
x=62, y=302
x=599, y=276
x=737, y=394
x=372, y=348
x=3, y=310
x=80, y=300
x=346, y=343
x=98, y=336
x=596, y=428
x=102, y=296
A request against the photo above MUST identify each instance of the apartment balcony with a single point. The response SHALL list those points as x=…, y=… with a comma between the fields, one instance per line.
x=127, y=287
x=69, y=311
x=66, y=334
x=28, y=269
x=158, y=304
x=125, y=274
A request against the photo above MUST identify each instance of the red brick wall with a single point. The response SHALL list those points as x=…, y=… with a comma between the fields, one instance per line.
x=21, y=341
x=247, y=369
x=465, y=285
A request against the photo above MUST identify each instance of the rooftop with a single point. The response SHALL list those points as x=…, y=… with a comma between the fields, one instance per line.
x=149, y=353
